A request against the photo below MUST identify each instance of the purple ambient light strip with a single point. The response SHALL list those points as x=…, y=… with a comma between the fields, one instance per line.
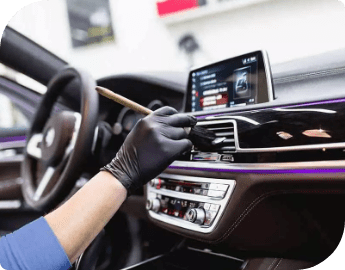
x=13, y=139
x=332, y=101
x=276, y=171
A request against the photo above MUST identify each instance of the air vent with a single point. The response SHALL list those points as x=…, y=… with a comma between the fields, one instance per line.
x=225, y=132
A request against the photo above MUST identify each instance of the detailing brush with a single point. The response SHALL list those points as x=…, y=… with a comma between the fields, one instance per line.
x=202, y=138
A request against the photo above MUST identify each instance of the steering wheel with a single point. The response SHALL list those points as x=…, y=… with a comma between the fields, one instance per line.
x=59, y=143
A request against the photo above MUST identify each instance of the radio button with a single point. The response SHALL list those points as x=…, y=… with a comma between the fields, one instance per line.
x=210, y=216
x=219, y=187
x=214, y=207
x=197, y=191
x=207, y=206
x=205, y=185
x=192, y=205
x=184, y=203
x=204, y=192
x=178, y=188
x=216, y=194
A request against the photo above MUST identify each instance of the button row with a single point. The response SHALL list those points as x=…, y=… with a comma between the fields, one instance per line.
x=211, y=207
x=196, y=188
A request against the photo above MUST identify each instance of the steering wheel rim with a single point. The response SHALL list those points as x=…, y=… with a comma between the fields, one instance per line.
x=68, y=170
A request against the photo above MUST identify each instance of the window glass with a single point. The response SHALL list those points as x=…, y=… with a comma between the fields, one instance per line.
x=10, y=116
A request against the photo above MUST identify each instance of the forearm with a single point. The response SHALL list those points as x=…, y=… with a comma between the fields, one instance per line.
x=77, y=222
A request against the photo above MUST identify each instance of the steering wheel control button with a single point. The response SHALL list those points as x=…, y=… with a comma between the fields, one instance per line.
x=153, y=204
x=196, y=215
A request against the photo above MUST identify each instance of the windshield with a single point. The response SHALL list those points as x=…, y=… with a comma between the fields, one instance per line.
x=108, y=37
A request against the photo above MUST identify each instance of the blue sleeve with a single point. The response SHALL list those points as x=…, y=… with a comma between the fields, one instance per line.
x=34, y=246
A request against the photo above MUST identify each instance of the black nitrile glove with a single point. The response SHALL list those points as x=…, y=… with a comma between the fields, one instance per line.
x=153, y=144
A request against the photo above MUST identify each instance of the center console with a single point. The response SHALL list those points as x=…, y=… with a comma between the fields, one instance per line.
x=196, y=203
x=193, y=203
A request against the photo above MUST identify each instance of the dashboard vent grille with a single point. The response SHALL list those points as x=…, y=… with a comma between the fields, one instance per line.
x=225, y=133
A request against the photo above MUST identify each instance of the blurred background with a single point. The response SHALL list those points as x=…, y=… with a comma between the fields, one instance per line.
x=108, y=37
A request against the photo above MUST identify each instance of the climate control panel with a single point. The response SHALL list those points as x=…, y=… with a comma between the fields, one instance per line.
x=193, y=203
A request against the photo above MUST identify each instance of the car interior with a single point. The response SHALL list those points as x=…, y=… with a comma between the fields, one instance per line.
x=266, y=194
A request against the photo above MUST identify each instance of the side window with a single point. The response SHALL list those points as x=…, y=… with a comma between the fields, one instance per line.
x=13, y=128
x=10, y=116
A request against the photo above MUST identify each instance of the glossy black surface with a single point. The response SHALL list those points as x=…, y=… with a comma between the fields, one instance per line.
x=297, y=125
x=260, y=84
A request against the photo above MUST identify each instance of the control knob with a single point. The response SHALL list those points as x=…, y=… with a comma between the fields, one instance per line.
x=153, y=204
x=156, y=183
x=196, y=215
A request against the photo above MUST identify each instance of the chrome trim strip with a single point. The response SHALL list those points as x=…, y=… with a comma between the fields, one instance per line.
x=16, y=158
x=305, y=110
x=245, y=119
x=5, y=205
x=152, y=192
x=214, y=122
x=318, y=165
x=12, y=145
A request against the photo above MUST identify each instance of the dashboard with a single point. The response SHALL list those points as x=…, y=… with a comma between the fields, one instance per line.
x=280, y=155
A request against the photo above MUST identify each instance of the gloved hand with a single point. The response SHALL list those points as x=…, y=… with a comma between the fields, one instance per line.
x=153, y=144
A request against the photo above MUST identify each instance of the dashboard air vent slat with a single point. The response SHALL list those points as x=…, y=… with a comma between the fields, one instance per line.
x=224, y=134
x=223, y=129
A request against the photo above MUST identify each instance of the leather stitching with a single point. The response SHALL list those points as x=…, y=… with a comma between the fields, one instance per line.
x=275, y=268
x=247, y=211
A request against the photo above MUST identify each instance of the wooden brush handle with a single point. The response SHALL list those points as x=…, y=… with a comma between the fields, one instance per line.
x=127, y=103
x=123, y=101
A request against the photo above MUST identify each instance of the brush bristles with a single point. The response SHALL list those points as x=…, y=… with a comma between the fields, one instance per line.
x=201, y=137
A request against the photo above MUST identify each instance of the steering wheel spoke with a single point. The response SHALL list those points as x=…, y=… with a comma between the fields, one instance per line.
x=34, y=146
x=76, y=130
x=45, y=182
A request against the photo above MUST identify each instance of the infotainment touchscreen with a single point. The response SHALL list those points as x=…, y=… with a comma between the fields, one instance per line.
x=238, y=81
